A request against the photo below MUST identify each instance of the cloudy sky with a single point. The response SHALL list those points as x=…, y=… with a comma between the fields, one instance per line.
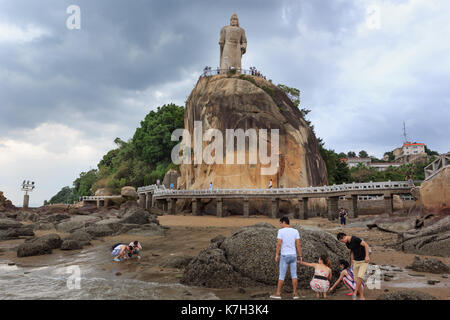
x=363, y=67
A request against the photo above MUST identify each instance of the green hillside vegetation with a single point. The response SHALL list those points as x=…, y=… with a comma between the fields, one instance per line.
x=140, y=161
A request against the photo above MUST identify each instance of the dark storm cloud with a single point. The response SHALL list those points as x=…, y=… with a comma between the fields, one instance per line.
x=129, y=46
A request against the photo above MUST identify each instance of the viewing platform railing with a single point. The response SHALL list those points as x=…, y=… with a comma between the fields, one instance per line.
x=437, y=165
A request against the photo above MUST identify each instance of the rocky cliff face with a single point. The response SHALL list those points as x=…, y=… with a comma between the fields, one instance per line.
x=245, y=102
x=5, y=204
x=435, y=193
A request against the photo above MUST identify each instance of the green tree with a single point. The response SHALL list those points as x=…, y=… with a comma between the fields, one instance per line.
x=363, y=154
x=351, y=154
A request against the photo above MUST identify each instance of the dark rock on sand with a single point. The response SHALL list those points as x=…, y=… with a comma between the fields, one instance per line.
x=16, y=233
x=249, y=254
x=76, y=222
x=71, y=245
x=433, y=240
x=53, y=240
x=406, y=295
x=6, y=224
x=430, y=265
x=33, y=249
x=211, y=269
x=39, y=246
x=81, y=237
x=178, y=262
x=131, y=213
x=99, y=230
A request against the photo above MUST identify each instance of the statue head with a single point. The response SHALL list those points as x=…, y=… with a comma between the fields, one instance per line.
x=234, y=21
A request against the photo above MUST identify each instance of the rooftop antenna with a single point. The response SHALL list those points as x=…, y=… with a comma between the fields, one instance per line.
x=405, y=136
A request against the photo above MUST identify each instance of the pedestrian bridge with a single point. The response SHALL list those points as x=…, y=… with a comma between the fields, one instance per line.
x=165, y=199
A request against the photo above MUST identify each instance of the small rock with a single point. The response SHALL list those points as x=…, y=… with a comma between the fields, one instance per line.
x=241, y=290
x=187, y=293
x=260, y=295
x=11, y=264
x=433, y=282
x=118, y=273
x=415, y=275
x=386, y=290
x=445, y=276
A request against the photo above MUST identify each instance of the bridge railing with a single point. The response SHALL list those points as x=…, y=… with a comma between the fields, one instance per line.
x=437, y=165
x=92, y=198
x=207, y=72
x=369, y=186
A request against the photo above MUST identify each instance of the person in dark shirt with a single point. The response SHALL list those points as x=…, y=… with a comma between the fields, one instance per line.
x=359, y=259
x=343, y=216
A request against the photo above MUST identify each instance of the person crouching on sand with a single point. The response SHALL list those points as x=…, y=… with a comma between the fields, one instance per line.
x=136, y=249
x=320, y=283
x=359, y=259
x=120, y=252
x=346, y=277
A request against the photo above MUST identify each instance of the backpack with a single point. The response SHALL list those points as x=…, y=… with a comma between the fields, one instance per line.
x=115, y=245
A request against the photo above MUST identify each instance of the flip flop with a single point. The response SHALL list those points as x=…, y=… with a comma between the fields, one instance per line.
x=116, y=259
x=295, y=297
x=349, y=294
x=275, y=297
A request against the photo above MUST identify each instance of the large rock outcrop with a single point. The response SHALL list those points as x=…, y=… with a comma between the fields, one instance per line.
x=247, y=102
x=5, y=204
x=248, y=257
x=433, y=240
x=435, y=193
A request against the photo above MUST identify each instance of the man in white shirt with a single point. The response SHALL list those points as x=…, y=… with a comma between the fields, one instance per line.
x=288, y=242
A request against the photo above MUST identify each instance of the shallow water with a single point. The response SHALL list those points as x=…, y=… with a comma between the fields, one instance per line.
x=58, y=280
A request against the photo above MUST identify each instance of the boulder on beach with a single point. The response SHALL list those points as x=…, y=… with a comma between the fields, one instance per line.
x=5, y=204
x=129, y=193
x=81, y=236
x=99, y=230
x=6, y=224
x=39, y=246
x=406, y=295
x=131, y=213
x=433, y=240
x=76, y=222
x=71, y=245
x=430, y=265
x=249, y=254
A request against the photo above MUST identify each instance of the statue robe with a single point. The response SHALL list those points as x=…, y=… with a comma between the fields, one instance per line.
x=232, y=39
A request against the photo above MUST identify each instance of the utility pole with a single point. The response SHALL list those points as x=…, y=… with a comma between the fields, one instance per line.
x=405, y=136
x=27, y=187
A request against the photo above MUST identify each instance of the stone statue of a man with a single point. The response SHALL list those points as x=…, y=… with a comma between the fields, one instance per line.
x=233, y=45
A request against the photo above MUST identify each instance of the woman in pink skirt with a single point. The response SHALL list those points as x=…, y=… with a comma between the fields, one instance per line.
x=320, y=283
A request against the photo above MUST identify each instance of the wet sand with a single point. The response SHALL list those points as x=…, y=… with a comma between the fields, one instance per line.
x=188, y=235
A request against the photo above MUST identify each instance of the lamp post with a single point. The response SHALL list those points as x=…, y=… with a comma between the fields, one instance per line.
x=27, y=186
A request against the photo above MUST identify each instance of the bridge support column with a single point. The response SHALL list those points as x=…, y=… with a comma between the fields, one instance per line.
x=106, y=202
x=195, y=207
x=98, y=203
x=142, y=200
x=275, y=208
x=332, y=207
x=246, y=208
x=388, y=204
x=303, y=208
x=148, y=200
x=352, y=205
x=171, y=204
x=219, y=207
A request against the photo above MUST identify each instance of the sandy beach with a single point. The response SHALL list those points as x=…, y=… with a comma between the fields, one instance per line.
x=187, y=236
